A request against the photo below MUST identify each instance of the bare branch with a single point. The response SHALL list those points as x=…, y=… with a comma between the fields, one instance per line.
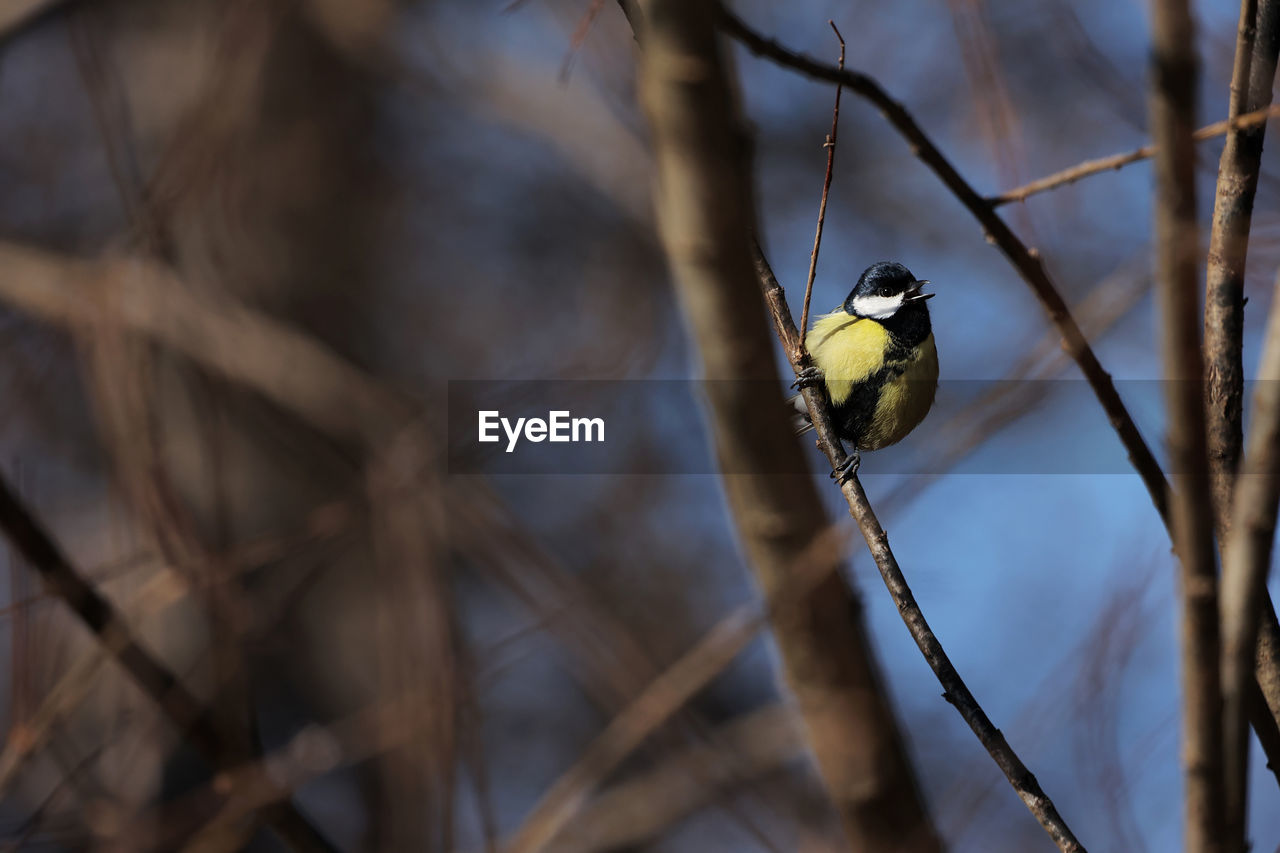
x=1174, y=73
x=1252, y=78
x=830, y=145
x=1257, y=44
x=1253, y=119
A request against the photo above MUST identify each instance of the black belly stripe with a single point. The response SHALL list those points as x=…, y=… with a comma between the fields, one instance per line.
x=853, y=416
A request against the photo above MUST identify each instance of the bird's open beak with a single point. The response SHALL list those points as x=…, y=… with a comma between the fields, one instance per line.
x=914, y=294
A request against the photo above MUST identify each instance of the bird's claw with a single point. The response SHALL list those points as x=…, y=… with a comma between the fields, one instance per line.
x=807, y=378
x=847, y=468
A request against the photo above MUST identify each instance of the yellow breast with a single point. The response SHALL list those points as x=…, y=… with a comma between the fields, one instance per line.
x=847, y=350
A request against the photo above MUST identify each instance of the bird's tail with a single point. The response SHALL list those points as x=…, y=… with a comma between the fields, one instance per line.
x=799, y=414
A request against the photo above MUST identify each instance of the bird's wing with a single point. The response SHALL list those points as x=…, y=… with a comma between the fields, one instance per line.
x=799, y=414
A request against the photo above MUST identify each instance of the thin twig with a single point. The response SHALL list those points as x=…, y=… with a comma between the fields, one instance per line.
x=955, y=690
x=579, y=36
x=1174, y=76
x=1117, y=161
x=1023, y=259
x=830, y=145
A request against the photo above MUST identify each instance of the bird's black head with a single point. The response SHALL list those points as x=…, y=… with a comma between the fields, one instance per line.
x=884, y=289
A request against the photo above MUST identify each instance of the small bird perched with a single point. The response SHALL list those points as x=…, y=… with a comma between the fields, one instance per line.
x=877, y=358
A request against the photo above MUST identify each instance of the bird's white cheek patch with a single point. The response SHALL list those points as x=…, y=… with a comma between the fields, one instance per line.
x=878, y=307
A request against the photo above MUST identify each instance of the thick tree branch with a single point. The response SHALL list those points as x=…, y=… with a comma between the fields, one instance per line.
x=1257, y=44
x=703, y=203
x=1247, y=559
x=1174, y=75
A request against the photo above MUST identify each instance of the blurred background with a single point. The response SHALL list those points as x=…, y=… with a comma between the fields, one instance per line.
x=443, y=191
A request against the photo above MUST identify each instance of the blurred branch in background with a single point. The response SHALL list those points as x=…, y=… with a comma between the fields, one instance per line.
x=16, y=14
x=152, y=677
x=644, y=806
x=615, y=664
x=207, y=815
x=703, y=199
x=228, y=339
x=666, y=694
x=1175, y=74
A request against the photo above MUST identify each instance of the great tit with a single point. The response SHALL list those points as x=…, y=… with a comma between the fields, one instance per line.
x=877, y=358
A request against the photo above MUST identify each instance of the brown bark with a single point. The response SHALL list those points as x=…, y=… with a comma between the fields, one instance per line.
x=1254, y=72
x=1246, y=561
